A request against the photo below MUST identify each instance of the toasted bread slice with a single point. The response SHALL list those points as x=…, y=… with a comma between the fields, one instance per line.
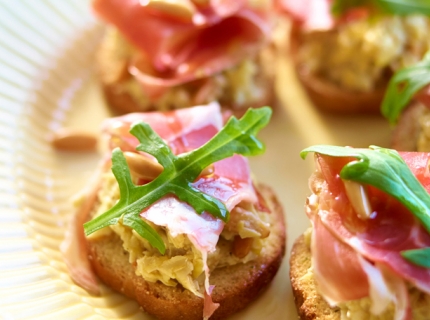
x=310, y=305
x=235, y=286
x=124, y=94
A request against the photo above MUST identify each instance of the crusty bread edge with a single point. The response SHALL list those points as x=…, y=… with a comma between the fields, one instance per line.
x=310, y=305
x=176, y=303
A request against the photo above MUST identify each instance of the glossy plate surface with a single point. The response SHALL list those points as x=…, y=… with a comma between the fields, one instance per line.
x=47, y=82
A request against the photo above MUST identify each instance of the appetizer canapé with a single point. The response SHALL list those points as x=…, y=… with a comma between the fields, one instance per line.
x=179, y=224
x=346, y=51
x=163, y=54
x=367, y=255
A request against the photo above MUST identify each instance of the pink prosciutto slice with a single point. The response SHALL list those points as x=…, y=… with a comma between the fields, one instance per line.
x=379, y=240
x=327, y=275
x=218, y=35
x=342, y=275
x=183, y=130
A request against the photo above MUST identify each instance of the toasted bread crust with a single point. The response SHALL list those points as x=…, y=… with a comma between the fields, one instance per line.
x=112, y=70
x=310, y=305
x=328, y=96
x=235, y=286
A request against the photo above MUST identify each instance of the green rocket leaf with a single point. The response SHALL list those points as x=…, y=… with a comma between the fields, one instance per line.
x=403, y=86
x=397, y=7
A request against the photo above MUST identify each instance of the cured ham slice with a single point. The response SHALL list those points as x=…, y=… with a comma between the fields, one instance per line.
x=380, y=239
x=216, y=37
x=231, y=182
x=180, y=218
x=183, y=129
x=354, y=285
x=343, y=275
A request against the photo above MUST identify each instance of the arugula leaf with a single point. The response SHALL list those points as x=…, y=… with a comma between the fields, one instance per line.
x=404, y=7
x=420, y=257
x=397, y=7
x=339, y=7
x=237, y=137
x=403, y=86
x=387, y=171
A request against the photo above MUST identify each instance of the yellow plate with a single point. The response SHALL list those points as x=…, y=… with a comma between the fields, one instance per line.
x=47, y=82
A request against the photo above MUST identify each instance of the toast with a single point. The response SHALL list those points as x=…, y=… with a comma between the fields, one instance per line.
x=235, y=286
x=310, y=305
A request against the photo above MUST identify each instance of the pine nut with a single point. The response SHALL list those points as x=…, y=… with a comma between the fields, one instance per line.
x=201, y=2
x=142, y=167
x=207, y=171
x=73, y=140
x=181, y=9
x=241, y=247
x=358, y=198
